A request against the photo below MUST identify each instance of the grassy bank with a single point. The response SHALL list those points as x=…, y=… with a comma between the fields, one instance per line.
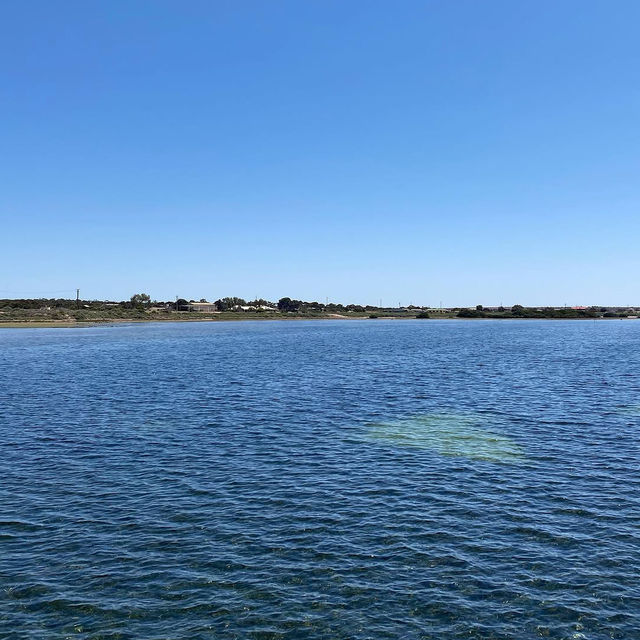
x=95, y=319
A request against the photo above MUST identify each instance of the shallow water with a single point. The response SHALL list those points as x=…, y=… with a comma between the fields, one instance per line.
x=374, y=479
x=451, y=434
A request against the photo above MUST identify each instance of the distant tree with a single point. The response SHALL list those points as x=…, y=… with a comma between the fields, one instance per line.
x=479, y=307
x=334, y=308
x=517, y=310
x=140, y=300
x=203, y=299
x=229, y=303
x=287, y=304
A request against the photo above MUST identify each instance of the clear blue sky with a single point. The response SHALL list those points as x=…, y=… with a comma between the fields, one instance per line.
x=417, y=152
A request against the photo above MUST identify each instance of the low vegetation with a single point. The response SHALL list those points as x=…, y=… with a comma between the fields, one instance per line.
x=518, y=311
x=141, y=307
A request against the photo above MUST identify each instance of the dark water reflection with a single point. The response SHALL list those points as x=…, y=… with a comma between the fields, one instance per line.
x=321, y=480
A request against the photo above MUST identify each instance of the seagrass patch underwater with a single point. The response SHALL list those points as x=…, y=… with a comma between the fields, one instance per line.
x=450, y=434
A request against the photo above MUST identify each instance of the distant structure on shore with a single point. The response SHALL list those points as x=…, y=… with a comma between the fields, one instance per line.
x=214, y=307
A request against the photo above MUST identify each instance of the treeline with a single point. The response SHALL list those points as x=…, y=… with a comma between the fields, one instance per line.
x=37, y=303
x=297, y=306
x=137, y=301
x=285, y=305
x=140, y=303
x=518, y=311
x=52, y=303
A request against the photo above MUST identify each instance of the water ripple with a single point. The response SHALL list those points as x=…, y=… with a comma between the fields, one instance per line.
x=321, y=480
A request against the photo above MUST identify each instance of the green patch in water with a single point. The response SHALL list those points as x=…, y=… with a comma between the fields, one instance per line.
x=449, y=434
x=629, y=409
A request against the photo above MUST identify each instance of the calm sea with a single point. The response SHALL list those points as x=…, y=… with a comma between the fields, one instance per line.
x=323, y=479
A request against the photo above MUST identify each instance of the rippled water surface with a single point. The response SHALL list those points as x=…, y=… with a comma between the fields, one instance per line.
x=323, y=479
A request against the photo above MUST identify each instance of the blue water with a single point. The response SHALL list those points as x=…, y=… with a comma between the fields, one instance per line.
x=322, y=479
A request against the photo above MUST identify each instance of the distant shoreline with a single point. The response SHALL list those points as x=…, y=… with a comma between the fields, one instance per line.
x=66, y=324
x=63, y=324
x=64, y=312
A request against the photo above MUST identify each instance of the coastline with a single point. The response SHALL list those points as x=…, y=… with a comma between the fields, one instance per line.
x=66, y=324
